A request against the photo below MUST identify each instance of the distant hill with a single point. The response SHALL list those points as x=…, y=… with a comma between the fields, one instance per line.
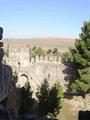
x=61, y=43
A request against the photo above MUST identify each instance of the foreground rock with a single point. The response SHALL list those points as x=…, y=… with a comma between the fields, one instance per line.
x=6, y=86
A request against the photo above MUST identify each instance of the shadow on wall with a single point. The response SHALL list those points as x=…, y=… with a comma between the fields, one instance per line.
x=70, y=72
x=84, y=115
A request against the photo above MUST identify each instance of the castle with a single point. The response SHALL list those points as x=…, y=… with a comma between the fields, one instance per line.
x=18, y=55
x=36, y=69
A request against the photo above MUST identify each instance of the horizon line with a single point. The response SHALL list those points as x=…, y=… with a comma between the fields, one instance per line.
x=46, y=37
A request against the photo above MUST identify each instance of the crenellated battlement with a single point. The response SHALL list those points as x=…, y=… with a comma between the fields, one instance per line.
x=21, y=55
x=46, y=59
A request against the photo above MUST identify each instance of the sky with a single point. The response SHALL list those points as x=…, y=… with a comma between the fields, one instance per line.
x=43, y=18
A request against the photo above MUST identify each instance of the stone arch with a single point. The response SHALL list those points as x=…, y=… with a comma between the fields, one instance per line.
x=23, y=79
x=24, y=75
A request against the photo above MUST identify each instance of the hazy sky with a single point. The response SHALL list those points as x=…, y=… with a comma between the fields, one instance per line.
x=43, y=18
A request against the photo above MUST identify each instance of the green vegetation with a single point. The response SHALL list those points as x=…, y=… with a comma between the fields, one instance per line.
x=40, y=52
x=66, y=58
x=81, y=58
x=37, y=52
x=50, y=99
x=33, y=54
x=27, y=101
x=81, y=55
x=49, y=51
x=55, y=99
x=55, y=51
x=43, y=97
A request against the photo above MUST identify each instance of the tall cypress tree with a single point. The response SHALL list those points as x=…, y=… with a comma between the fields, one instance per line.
x=81, y=57
x=50, y=99
x=27, y=101
x=56, y=97
x=43, y=96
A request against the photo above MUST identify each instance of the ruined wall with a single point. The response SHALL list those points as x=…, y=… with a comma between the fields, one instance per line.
x=21, y=56
x=37, y=69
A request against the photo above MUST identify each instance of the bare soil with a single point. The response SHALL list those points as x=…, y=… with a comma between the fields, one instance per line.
x=47, y=43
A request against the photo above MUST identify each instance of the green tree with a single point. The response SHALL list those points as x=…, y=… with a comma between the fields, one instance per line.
x=56, y=97
x=66, y=58
x=33, y=55
x=81, y=57
x=43, y=97
x=49, y=51
x=55, y=51
x=50, y=100
x=27, y=101
x=39, y=51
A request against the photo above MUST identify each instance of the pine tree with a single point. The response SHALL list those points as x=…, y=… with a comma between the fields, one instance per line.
x=81, y=57
x=27, y=101
x=50, y=100
x=43, y=96
x=55, y=99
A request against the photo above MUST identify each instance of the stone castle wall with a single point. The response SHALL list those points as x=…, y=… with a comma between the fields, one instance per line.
x=36, y=69
x=22, y=56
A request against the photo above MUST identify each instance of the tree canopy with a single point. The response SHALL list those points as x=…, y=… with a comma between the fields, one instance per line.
x=81, y=57
x=26, y=101
x=38, y=52
x=50, y=99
